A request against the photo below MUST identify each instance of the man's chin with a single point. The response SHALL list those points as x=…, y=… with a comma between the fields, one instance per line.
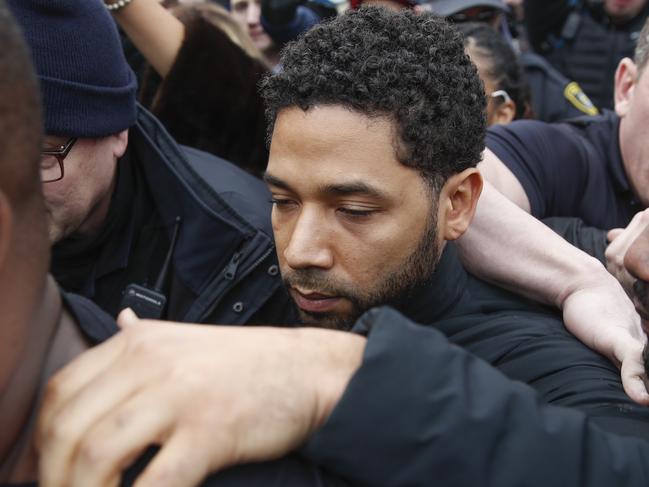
x=331, y=321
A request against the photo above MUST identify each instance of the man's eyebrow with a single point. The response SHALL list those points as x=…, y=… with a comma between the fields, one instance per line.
x=360, y=188
x=277, y=182
x=340, y=189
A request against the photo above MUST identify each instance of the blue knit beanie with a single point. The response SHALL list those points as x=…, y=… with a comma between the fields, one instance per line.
x=88, y=89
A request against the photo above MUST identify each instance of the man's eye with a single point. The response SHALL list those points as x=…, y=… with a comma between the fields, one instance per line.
x=282, y=202
x=357, y=213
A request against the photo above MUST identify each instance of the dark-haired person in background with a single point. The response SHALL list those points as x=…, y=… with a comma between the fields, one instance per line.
x=370, y=188
x=201, y=78
x=508, y=94
x=554, y=97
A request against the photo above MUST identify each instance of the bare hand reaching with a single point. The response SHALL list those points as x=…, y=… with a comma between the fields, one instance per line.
x=229, y=395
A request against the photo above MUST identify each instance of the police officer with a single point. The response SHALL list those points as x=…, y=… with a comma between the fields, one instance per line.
x=135, y=219
x=554, y=97
x=585, y=39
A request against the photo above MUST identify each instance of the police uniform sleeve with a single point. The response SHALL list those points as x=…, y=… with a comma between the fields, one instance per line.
x=421, y=411
x=549, y=162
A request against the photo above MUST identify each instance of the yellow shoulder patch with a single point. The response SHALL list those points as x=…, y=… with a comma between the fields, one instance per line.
x=576, y=96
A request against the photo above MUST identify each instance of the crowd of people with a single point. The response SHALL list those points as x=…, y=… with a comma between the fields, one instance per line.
x=287, y=242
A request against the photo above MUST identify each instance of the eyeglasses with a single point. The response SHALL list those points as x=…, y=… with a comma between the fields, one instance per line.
x=501, y=93
x=52, y=161
x=475, y=14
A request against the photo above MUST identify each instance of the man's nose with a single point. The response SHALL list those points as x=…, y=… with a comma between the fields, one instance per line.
x=309, y=244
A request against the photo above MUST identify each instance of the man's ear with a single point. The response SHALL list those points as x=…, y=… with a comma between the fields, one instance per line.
x=625, y=80
x=458, y=201
x=120, y=142
x=504, y=113
x=6, y=228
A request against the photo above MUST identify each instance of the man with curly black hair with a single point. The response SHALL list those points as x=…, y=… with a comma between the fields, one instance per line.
x=367, y=156
x=377, y=125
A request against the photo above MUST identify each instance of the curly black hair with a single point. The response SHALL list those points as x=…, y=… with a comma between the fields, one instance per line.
x=408, y=67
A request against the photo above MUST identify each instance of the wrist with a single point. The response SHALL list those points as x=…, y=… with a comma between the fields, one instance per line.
x=332, y=358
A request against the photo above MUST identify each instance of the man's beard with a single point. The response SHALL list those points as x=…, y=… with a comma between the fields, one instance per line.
x=394, y=290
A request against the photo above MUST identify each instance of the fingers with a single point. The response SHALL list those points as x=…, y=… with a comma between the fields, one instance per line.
x=74, y=377
x=634, y=380
x=63, y=431
x=119, y=439
x=180, y=463
x=127, y=318
x=613, y=234
x=634, y=377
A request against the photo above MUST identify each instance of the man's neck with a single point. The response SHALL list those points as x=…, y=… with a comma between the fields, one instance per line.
x=60, y=342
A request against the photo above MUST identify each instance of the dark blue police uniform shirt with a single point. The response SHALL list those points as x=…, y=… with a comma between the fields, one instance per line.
x=291, y=470
x=569, y=169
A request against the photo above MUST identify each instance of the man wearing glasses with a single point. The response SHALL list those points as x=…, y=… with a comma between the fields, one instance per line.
x=135, y=219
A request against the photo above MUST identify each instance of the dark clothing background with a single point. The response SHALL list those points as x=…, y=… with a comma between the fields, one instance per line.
x=569, y=169
x=224, y=267
x=591, y=56
x=423, y=411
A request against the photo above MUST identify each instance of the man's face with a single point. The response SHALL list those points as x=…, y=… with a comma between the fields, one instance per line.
x=248, y=14
x=623, y=10
x=78, y=203
x=354, y=228
x=634, y=113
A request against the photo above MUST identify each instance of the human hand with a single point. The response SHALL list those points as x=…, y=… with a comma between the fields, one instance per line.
x=211, y=397
x=636, y=261
x=603, y=317
x=621, y=240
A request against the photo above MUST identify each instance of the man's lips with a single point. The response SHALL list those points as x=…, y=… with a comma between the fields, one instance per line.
x=313, y=302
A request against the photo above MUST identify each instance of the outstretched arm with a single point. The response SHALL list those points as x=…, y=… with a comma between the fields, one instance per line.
x=395, y=409
x=507, y=246
x=155, y=32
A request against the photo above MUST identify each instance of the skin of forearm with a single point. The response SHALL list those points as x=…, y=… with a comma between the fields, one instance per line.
x=530, y=258
x=156, y=33
x=332, y=359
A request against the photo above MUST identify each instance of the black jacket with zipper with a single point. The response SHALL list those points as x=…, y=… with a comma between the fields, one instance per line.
x=223, y=267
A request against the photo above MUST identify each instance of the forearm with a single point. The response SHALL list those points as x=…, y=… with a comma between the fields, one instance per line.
x=589, y=239
x=508, y=247
x=156, y=33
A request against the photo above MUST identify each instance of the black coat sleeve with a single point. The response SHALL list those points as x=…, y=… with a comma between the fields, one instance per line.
x=589, y=239
x=421, y=411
